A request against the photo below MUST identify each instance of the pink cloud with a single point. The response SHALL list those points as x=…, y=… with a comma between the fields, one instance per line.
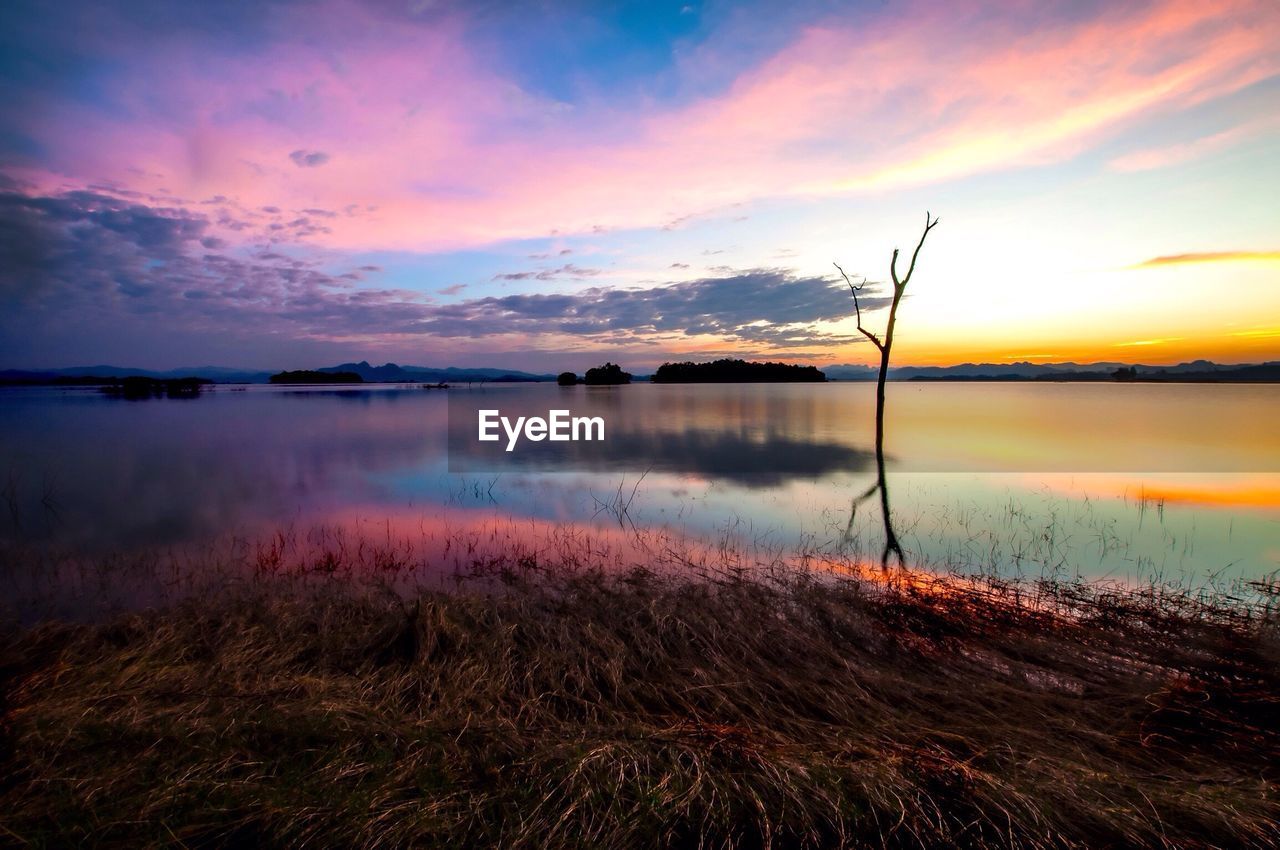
x=419, y=144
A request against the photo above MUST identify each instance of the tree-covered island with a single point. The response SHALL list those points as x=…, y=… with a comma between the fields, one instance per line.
x=735, y=371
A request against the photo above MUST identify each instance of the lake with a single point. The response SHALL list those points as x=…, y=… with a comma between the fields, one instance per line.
x=1135, y=482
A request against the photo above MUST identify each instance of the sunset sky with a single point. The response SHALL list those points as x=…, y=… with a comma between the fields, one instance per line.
x=542, y=186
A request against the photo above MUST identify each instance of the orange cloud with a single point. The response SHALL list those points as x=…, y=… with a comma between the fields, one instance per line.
x=1211, y=257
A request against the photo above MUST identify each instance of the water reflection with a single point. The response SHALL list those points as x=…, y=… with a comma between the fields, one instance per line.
x=755, y=436
x=881, y=487
x=751, y=435
x=85, y=472
x=1009, y=427
x=93, y=473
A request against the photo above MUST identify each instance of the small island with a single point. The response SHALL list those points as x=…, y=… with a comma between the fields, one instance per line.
x=735, y=371
x=610, y=374
x=135, y=387
x=311, y=376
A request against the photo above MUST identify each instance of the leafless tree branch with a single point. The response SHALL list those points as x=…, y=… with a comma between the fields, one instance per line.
x=857, y=308
x=893, y=264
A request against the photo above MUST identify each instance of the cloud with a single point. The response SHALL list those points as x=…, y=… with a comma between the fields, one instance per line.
x=309, y=159
x=79, y=265
x=763, y=306
x=42, y=234
x=129, y=269
x=953, y=90
x=1211, y=257
x=567, y=270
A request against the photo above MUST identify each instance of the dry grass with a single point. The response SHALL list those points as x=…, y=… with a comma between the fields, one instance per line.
x=541, y=705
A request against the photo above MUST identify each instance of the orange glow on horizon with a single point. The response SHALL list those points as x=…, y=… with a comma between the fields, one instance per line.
x=1239, y=347
x=1236, y=491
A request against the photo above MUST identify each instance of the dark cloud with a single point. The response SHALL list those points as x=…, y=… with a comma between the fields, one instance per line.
x=563, y=252
x=304, y=226
x=225, y=219
x=38, y=234
x=117, y=266
x=677, y=222
x=766, y=306
x=567, y=270
x=309, y=159
x=91, y=270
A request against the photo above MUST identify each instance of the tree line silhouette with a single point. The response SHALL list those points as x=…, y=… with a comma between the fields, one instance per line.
x=739, y=371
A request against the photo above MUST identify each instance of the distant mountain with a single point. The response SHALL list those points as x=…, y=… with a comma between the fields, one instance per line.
x=1199, y=370
x=849, y=372
x=392, y=373
x=224, y=375
x=1195, y=370
x=215, y=373
x=387, y=373
x=966, y=370
x=1263, y=373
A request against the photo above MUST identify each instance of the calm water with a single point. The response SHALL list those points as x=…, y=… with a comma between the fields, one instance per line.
x=1177, y=482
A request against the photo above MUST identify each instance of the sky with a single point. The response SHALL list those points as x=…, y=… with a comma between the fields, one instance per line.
x=547, y=185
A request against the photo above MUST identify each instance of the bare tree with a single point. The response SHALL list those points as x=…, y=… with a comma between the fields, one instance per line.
x=885, y=346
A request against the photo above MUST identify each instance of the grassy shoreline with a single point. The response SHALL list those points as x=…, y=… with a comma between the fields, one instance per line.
x=540, y=704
